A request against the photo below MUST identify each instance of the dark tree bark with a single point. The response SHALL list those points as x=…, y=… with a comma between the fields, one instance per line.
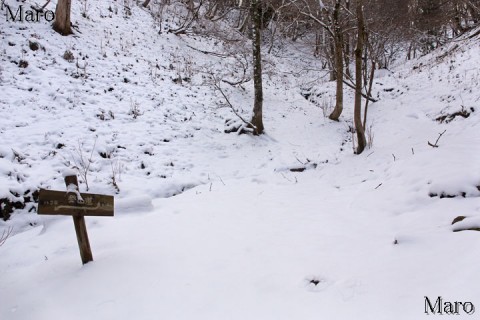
x=256, y=16
x=339, y=66
x=357, y=116
x=62, y=17
x=146, y=3
x=347, y=46
x=369, y=92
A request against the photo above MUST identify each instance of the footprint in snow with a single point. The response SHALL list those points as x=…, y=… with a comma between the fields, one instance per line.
x=316, y=284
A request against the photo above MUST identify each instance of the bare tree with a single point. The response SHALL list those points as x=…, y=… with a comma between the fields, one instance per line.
x=191, y=18
x=339, y=66
x=256, y=20
x=361, y=141
x=432, y=23
x=329, y=15
x=62, y=17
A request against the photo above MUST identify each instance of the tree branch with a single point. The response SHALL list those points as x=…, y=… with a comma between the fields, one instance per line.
x=363, y=94
x=216, y=84
x=435, y=145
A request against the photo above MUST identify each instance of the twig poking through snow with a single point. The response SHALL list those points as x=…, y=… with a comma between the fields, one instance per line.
x=81, y=162
x=5, y=235
x=296, y=181
x=435, y=145
x=301, y=161
x=221, y=180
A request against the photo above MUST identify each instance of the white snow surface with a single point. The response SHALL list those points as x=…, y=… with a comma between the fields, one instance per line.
x=211, y=225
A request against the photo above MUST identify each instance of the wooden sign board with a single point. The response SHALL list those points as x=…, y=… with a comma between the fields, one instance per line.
x=76, y=204
x=65, y=203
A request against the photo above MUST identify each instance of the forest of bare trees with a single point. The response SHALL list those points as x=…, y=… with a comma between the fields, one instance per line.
x=352, y=38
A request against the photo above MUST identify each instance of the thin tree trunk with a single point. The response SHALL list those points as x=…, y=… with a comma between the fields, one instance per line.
x=272, y=38
x=329, y=50
x=191, y=6
x=62, y=17
x=257, y=121
x=369, y=93
x=146, y=3
x=338, y=52
x=347, y=47
x=212, y=11
x=357, y=117
x=474, y=12
x=335, y=115
x=243, y=26
x=347, y=57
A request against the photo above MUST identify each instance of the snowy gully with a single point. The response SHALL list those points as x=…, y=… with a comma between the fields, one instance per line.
x=441, y=307
x=29, y=15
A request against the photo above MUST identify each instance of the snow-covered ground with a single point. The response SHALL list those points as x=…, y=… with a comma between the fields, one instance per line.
x=352, y=237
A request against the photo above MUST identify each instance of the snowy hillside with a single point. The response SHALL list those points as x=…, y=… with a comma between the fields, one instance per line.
x=120, y=96
x=248, y=234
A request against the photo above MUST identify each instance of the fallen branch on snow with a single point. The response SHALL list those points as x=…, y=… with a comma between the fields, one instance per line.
x=435, y=145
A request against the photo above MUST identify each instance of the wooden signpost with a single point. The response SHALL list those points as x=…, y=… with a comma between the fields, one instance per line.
x=76, y=204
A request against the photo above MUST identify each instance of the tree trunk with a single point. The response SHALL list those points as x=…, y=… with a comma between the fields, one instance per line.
x=256, y=16
x=369, y=92
x=347, y=47
x=146, y=3
x=329, y=50
x=357, y=117
x=62, y=17
x=474, y=12
x=243, y=24
x=191, y=6
x=338, y=52
x=347, y=57
x=212, y=10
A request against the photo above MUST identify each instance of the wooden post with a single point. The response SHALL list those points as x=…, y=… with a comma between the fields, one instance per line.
x=79, y=220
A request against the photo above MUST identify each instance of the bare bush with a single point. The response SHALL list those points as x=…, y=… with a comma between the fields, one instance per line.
x=84, y=8
x=370, y=136
x=134, y=109
x=117, y=168
x=81, y=70
x=68, y=56
x=5, y=235
x=327, y=106
x=82, y=161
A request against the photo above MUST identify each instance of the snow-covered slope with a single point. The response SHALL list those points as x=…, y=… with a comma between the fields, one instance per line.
x=119, y=103
x=351, y=237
